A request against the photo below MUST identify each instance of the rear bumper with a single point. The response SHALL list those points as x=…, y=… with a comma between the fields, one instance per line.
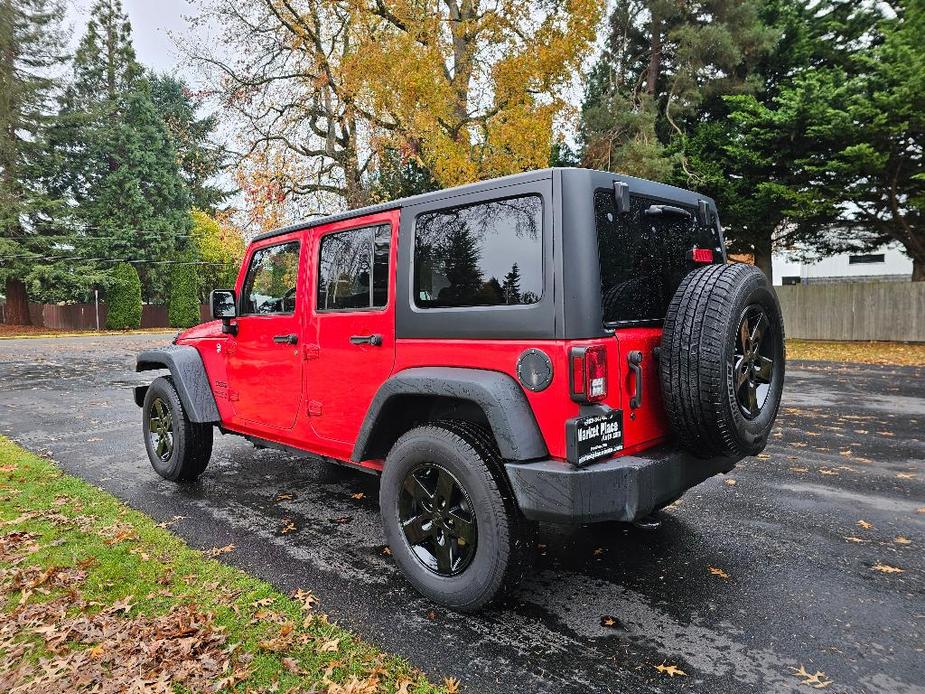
x=620, y=489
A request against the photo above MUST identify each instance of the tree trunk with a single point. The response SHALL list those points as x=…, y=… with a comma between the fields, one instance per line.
x=762, y=255
x=17, y=302
x=655, y=57
x=918, y=269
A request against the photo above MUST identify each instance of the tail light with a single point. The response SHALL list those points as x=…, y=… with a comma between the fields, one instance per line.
x=701, y=255
x=588, y=374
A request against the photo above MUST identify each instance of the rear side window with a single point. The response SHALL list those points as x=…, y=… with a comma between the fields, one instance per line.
x=353, y=270
x=270, y=285
x=644, y=255
x=487, y=254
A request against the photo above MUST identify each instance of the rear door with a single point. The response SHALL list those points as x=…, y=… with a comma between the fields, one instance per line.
x=263, y=364
x=645, y=251
x=352, y=349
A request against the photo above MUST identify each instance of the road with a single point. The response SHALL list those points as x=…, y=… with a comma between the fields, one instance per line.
x=751, y=576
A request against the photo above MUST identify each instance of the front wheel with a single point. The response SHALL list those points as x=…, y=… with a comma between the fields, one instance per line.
x=177, y=448
x=449, y=516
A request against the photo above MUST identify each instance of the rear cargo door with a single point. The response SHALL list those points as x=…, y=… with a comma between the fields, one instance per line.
x=646, y=246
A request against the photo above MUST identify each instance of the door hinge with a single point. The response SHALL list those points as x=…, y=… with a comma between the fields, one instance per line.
x=311, y=352
x=314, y=408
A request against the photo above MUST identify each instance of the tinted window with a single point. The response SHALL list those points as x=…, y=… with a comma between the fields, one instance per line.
x=645, y=254
x=487, y=254
x=354, y=269
x=270, y=286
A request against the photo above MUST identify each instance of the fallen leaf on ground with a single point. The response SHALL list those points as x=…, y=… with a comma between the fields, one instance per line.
x=902, y=540
x=401, y=687
x=305, y=598
x=819, y=680
x=905, y=475
x=358, y=496
x=799, y=469
x=216, y=551
x=864, y=524
x=452, y=685
x=718, y=572
x=289, y=526
x=284, y=496
x=852, y=538
x=886, y=568
x=610, y=622
x=827, y=471
x=387, y=551
x=731, y=483
x=329, y=646
x=670, y=670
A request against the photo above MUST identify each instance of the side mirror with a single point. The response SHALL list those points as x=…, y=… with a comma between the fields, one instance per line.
x=224, y=307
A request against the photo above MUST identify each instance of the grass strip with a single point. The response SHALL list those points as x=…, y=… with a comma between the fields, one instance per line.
x=95, y=595
x=884, y=353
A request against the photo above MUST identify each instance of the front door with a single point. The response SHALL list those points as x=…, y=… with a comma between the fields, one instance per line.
x=264, y=362
x=354, y=320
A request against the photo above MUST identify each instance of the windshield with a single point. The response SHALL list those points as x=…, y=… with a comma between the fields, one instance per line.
x=644, y=255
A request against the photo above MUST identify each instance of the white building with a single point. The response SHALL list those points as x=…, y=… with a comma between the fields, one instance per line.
x=886, y=264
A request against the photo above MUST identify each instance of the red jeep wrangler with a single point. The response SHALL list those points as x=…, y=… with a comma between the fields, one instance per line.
x=563, y=345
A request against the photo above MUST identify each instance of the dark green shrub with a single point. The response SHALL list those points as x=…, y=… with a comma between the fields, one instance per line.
x=124, y=298
x=183, y=310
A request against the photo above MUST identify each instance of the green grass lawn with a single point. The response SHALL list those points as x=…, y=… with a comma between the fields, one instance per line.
x=94, y=593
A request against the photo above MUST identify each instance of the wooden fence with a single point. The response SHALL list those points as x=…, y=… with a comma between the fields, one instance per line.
x=83, y=316
x=848, y=311
x=854, y=311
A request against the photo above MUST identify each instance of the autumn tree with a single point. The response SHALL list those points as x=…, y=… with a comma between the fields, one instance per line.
x=30, y=48
x=219, y=251
x=320, y=88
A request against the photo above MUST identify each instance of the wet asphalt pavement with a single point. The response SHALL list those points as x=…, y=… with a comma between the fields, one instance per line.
x=793, y=585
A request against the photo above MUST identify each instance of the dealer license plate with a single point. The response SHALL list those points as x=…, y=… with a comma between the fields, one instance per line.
x=593, y=437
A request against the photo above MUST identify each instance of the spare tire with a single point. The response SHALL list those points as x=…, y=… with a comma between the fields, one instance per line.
x=722, y=360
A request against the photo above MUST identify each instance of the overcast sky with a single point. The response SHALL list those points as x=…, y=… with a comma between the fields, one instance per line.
x=151, y=22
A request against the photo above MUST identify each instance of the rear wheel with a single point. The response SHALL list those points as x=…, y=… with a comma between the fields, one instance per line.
x=449, y=516
x=722, y=360
x=177, y=448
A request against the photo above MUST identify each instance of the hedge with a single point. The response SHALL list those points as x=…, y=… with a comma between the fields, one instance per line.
x=183, y=309
x=124, y=298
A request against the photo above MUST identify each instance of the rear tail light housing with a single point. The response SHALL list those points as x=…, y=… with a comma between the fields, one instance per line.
x=701, y=255
x=588, y=374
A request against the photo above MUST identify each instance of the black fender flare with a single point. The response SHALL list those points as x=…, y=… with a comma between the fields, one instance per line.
x=189, y=378
x=500, y=397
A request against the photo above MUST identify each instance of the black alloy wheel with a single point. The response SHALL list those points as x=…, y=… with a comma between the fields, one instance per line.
x=437, y=519
x=160, y=429
x=754, y=361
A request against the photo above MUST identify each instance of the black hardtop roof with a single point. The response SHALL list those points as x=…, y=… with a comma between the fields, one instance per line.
x=490, y=184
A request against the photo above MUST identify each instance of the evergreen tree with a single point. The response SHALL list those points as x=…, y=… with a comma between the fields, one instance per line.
x=752, y=170
x=510, y=290
x=855, y=133
x=30, y=47
x=199, y=158
x=116, y=163
x=460, y=251
x=664, y=60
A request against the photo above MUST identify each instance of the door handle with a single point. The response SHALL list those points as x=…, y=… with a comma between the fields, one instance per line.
x=635, y=361
x=286, y=339
x=375, y=340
